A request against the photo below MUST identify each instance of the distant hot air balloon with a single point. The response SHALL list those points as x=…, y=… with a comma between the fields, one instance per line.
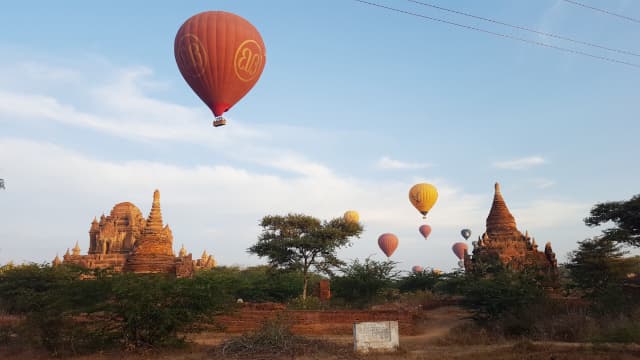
x=388, y=243
x=459, y=249
x=423, y=197
x=466, y=233
x=425, y=230
x=221, y=56
x=351, y=216
x=417, y=269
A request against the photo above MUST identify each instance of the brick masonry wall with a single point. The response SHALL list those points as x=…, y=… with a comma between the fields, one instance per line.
x=313, y=322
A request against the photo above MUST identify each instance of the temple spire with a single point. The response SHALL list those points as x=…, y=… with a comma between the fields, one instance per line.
x=76, y=249
x=500, y=219
x=154, y=222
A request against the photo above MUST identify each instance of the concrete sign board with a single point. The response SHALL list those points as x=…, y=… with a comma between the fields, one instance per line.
x=375, y=336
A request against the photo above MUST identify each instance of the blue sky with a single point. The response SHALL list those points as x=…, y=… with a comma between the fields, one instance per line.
x=355, y=105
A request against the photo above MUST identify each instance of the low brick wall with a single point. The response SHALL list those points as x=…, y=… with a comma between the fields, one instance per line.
x=313, y=322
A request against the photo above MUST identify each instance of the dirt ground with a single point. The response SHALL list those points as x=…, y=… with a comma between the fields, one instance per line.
x=429, y=344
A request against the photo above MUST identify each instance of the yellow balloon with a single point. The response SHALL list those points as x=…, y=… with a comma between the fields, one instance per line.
x=351, y=216
x=423, y=197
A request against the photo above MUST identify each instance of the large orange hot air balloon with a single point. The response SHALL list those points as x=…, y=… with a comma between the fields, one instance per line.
x=388, y=243
x=221, y=56
x=459, y=249
x=425, y=230
x=423, y=197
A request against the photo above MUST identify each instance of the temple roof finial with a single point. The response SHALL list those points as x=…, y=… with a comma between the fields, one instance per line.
x=154, y=221
x=500, y=219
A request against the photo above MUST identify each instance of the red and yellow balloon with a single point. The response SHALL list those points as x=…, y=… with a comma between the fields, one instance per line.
x=423, y=196
x=351, y=216
x=221, y=56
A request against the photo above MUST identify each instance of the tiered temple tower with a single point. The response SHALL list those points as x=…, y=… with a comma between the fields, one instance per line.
x=153, y=253
x=126, y=241
x=502, y=242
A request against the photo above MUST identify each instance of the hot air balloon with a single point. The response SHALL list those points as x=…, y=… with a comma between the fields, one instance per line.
x=425, y=230
x=423, y=197
x=466, y=233
x=221, y=56
x=351, y=216
x=417, y=269
x=459, y=249
x=388, y=243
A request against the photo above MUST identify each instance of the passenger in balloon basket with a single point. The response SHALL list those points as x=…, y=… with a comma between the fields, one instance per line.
x=219, y=121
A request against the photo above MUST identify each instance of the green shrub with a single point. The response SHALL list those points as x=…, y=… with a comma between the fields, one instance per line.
x=620, y=331
x=65, y=314
x=425, y=280
x=362, y=282
x=258, y=284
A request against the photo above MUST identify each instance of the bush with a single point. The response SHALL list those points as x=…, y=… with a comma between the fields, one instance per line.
x=622, y=330
x=65, y=314
x=362, y=282
x=154, y=308
x=257, y=284
x=505, y=294
x=599, y=270
x=274, y=339
x=425, y=280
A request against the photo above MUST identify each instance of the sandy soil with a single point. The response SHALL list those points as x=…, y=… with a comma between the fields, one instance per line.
x=435, y=325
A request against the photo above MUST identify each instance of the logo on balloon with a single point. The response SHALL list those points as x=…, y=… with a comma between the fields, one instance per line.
x=193, y=56
x=248, y=60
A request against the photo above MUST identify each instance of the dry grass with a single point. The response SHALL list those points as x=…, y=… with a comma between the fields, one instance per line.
x=274, y=340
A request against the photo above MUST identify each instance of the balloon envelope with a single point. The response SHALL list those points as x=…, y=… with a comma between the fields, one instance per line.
x=417, y=269
x=459, y=249
x=425, y=230
x=466, y=233
x=351, y=216
x=221, y=56
x=423, y=196
x=388, y=243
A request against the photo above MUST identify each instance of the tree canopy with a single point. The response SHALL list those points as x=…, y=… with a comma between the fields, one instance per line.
x=599, y=269
x=300, y=242
x=624, y=214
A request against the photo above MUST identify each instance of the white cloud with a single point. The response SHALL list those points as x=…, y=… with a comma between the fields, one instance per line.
x=387, y=163
x=218, y=207
x=520, y=164
x=53, y=192
x=542, y=183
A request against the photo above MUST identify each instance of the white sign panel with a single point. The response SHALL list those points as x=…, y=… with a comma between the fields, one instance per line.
x=376, y=336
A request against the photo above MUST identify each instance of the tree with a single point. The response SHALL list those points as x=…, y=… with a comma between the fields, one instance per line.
x=299, y=242
x=624, y=214
x=599, y=269
x=361, y=282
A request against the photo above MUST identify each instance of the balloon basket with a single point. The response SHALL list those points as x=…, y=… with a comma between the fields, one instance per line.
x=219, y=121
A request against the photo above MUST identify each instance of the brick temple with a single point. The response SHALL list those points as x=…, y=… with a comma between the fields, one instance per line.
x=502, y=242
x=125, y=241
